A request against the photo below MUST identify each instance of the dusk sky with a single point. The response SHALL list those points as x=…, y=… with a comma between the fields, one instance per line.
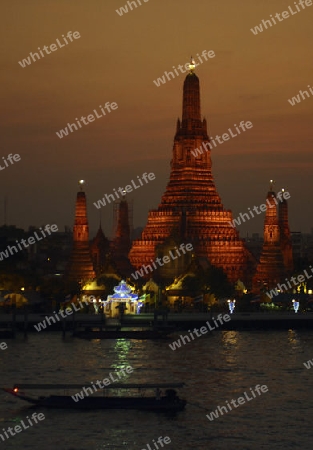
x=116, y=59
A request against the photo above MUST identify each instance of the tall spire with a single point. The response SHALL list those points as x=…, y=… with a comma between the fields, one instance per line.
x=80, y=265
x=194, y=172
x=191, y=101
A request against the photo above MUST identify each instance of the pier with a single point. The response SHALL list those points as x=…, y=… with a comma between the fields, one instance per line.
x=24, y=322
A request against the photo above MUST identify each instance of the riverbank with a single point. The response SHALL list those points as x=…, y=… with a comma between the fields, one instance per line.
x=181, y=321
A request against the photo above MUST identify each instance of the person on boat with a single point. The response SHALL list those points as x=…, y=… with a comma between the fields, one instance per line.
x=171, y=395
x=121, y=308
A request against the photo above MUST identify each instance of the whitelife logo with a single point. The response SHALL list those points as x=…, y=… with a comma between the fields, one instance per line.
x=225, y=137
x=31, y=240
x=11, y=158
x=297, y=99
x=53, y=48
x=203, y=330
x=90, y=118
x=308, y=364
x=241, y=401
x=166, y=259
x=166, y=440
x=106, y=382
x=188, y=66
x=129, y=188
x=18, y=428
x=284, y=287
x=245, y=216
x=68, y=311
x=124, y=9
x=285, y=15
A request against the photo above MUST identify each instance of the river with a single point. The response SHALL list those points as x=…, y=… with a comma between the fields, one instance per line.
x=216, y=369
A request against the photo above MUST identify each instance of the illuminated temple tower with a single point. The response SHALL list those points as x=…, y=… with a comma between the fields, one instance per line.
x=271, y=269
x=191, y=210
x=80, y=265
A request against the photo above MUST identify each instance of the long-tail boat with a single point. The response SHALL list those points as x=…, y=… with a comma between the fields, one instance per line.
x=161, y=400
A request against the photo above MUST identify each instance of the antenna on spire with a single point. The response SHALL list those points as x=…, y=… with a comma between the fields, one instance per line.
x=272, y=182
x=81, y=183
x=192, y=65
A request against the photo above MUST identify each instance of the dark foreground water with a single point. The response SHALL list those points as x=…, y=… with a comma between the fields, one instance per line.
x=216, y=368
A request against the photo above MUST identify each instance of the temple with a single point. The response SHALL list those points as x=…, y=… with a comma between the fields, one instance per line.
x=80, y=265
x=276, y=258
x=191, y=210
x=123, y=294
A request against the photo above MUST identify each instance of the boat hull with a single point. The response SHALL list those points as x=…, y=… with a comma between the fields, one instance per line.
x=144, y=403
x=105, y=402
x=148, y=334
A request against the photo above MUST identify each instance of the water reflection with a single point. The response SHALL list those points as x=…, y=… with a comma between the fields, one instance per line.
x=122, y=348
x=230, y=338
x=294, y=340
x=293, y=337
x=230, y=341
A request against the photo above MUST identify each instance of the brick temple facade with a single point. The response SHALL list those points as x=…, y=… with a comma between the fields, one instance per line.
x=80, y=265
x=276, y=260
x=191, y=210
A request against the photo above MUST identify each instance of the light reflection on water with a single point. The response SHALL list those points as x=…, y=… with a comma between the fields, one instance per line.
x=217, y=368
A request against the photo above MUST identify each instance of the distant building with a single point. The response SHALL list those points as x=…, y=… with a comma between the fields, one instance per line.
x=285, y=235
x=100, y=251
x=121, y=243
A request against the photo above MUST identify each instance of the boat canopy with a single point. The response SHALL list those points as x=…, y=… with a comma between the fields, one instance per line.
x=111, y=386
